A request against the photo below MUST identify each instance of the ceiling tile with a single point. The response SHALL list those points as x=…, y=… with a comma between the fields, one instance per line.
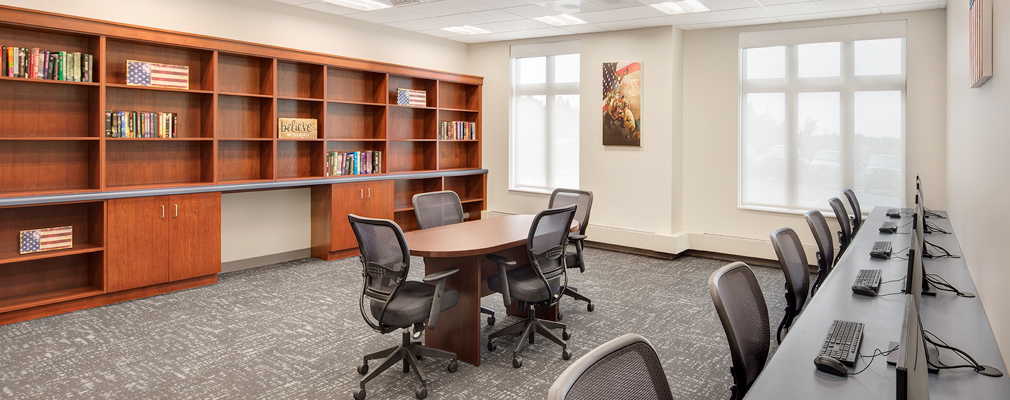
x=793, y=9
x=296, y=2
x=802, y=17
x=570, y=6
x=497, y=27
x=584, y=28
x=329, y=8
x=531, y=11
x=436, y=22
x=746, y=22
x=853, y=13
x=777, y=2
x=462, y=6
x=620, y=14
x=613, y=4
x=499, y=4
x=887, y=3
x=718, y=5
x=496, y=15
x=846, y=5
x=442, y=33
x=526, y=24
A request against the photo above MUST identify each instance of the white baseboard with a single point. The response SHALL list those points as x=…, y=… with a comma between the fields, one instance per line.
x=238, y=265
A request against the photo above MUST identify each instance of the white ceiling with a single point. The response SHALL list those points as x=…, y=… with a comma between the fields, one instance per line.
x=513, y=19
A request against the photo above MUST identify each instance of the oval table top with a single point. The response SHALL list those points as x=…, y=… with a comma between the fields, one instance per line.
x=472, y=238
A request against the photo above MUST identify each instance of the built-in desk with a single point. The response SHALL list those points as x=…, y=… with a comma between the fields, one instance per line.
x=961, y=322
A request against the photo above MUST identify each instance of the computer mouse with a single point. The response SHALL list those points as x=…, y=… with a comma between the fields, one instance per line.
x=864, y=290
x=831, y=366
x=880, y=255
x=889, y=229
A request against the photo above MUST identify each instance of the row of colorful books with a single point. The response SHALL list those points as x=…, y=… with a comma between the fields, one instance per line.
x=457, y=130
x=353, y=163
x=140, y=124
x=20, y=62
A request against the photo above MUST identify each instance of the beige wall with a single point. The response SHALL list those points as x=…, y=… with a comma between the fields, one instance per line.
x=264, y=223
x=633, y=187
x=711, y=95
x=977, y=164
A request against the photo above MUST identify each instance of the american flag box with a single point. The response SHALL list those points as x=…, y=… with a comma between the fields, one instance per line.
x=410, y=97
x=36, y=240
x=139, y=73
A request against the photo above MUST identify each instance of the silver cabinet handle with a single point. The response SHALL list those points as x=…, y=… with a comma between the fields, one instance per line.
x=176, y=211
x=369, y=193
x=362, y=194
x=162, y=211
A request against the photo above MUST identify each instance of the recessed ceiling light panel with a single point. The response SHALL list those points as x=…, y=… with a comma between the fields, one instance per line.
x=560, y=20
x=680, y=7
x=466, y=30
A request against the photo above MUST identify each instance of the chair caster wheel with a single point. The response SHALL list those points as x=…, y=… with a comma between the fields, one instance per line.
x=590, y=307
x=560, y=315
x=421, y=393
x=363, y=369
x=453, y=366
x=517, y=362
x=565, y=335
x=359, y=394
x=490, y=320
x=491, y=346
x=567, y=355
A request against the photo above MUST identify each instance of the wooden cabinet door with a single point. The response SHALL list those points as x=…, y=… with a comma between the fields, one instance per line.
x=378, y=200
x=195, y=232
x=345, y=198
x=138, y=241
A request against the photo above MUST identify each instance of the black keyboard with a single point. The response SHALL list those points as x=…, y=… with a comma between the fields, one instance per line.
x=842, y=342
x=889, y=227
x=881, y=249
x=894, y=212
x=867, y=282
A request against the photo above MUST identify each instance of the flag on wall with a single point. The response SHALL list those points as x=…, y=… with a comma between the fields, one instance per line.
x=36, y=240
x=980, y=41
x=139, y=73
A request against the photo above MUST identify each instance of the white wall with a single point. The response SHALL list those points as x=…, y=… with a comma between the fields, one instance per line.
x=977, y=164
x=711, y=92
x=271, y=222
x=633, y=187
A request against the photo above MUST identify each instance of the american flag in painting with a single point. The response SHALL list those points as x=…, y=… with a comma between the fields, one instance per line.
x=408, y=97
x=152, y=74
x=980, y=51
x=36, y=240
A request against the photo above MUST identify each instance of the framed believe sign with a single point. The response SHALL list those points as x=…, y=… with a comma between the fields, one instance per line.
x=980, y=41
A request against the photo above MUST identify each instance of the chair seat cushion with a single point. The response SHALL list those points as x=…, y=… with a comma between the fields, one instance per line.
x=525, y=285
x=571, y=259
x=412, y=304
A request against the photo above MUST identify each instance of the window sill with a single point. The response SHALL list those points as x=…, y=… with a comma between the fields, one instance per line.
x=531, y=190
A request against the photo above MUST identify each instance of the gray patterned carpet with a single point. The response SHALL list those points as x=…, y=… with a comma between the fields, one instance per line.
x=293, y=331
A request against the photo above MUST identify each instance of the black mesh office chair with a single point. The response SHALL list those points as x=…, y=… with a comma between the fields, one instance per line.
x=825, y=247
x=744, y=315
x=624, y=368
x=794, y=266
x=583, y=201
x=857, y=214
x=434, y=209
x=389, y=301
x=538, y=283
x=844, y=233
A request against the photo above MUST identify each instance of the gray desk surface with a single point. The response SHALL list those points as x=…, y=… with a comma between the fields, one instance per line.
x=961, y=322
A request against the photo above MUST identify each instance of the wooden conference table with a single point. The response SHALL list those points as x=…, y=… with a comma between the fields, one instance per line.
x=464, y=246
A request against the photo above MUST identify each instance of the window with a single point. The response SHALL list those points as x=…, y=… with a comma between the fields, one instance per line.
x=544, y=146
x=819, y=115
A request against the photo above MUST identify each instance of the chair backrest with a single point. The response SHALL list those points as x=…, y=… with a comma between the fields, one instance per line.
x=385, y=262
x=822, y=235
x=744, y=315
x=583, y=199
x=845, y=234
x=794, y=266
x=546, y=244
x=857, y=214
x=627, y=367
x=435, y=209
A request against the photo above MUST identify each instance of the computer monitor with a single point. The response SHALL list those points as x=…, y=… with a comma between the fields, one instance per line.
x=912, y=367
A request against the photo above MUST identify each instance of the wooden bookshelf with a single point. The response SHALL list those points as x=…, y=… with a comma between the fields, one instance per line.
x=53, y=143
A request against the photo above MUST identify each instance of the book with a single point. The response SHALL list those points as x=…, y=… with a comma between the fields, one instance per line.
x=37, y=240
x=76, y=67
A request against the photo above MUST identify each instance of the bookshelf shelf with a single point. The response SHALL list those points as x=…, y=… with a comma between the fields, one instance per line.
x=53, y=142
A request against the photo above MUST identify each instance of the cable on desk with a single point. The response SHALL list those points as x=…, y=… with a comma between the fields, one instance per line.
x=941, y=284
x=876, y=353
x=931, y=227
x=946, y=253
x=979, y=368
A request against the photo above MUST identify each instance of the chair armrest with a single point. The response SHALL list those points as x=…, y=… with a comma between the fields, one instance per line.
x=436, y=276
x=576, y=238
x=502, y=263
x=436, y=301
